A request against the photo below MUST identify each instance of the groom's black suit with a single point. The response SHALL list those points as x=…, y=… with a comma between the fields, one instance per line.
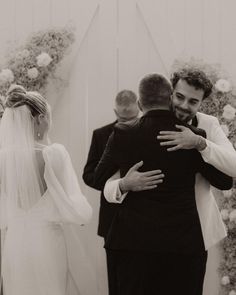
x=152, y=226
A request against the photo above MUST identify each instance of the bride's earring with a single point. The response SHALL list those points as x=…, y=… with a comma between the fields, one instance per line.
x=39, y=135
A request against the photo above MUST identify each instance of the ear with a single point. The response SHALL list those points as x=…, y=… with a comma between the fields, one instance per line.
x=115, y=111
x=40, y=118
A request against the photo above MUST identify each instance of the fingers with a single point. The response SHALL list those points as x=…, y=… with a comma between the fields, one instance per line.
x=168, y=133
x=182, y=128
x=168, y=136
x=136, y=166
x=146, y=188
x=167, y=143
x=175, y=148
x=151, y=173
x=154, y=178
x=151, y=183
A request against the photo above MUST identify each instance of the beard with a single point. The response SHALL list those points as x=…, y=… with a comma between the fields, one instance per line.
x=182, y=115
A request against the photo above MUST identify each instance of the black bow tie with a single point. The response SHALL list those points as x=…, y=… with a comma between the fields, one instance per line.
x=194, y=121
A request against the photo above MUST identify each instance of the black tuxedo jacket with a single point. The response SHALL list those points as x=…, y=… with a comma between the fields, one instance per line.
x=98, y=143
x=165, y=218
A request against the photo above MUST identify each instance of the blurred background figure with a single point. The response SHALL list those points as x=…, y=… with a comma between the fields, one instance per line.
x=126, y=110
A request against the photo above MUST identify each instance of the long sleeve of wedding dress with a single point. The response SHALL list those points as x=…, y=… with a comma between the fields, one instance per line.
x=74, y=211
x=63, y=186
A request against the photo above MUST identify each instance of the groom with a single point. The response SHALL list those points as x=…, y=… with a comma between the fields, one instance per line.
x=156, y=235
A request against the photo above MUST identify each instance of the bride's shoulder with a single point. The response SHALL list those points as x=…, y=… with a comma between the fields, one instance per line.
x=56, y=150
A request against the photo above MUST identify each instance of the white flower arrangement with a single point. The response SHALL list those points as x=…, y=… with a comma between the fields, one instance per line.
x=228, y=193
x=221, y=104
x=6, y=76
x=229, y=112
x=223, y=85
x=33, y=73
x=232, y=215
x=225, y=128
x=232, y=292
x=23, y=54
x=225, y=280
x=43, y=59
x=34, y=63
x=225, y=214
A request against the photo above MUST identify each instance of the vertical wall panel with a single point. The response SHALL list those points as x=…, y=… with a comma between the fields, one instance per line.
x=7, y=26
x=42, y=12
x=127, y=44
x=194, y=27
x=227, y=42
x=23, y=22
x=60, y=12
x=176, y=25
x=109, y=80
x=212, y=28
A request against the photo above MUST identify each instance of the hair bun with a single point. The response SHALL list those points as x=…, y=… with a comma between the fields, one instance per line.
x=18, y=89
x=15, y=96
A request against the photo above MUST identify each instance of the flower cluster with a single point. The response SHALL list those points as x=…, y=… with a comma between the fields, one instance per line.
x=34, y=63
x=222, y=104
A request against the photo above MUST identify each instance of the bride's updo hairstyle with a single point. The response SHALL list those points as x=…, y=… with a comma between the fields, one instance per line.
x=17, y=96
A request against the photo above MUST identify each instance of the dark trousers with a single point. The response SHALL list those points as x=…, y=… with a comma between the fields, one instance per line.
x=112, y=272
x=153, y=273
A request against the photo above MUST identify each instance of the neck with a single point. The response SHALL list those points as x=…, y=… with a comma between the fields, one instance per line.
x=44, y=141
x=145, y=110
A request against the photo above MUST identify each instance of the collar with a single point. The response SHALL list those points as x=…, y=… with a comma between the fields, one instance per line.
x=158, y=113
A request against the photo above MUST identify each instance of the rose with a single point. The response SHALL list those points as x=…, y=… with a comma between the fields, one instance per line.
x=33, y=73
x=23, y=54
x=225, y=214
x=228, y=193
x=6, y=76
x=223, y=85
x=225, y=280
x=225, y=129
x=232, y=215
x=229, y=112
x=43, y=59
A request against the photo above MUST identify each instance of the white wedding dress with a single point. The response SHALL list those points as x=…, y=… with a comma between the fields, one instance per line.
x=42, y=250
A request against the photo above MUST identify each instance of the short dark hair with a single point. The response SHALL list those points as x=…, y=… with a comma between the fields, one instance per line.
x=154, y=90
x=196, y=78
x=125, y=98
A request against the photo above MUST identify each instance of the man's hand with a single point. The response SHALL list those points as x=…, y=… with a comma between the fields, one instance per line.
x=140, y=181
x=184, y=139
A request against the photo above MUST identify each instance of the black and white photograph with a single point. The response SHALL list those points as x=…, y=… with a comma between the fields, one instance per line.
x=117, y=147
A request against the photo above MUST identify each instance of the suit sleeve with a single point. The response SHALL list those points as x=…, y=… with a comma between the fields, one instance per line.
x=94, y=156
x=107, y=165
x=215, y=177
x=219, y=151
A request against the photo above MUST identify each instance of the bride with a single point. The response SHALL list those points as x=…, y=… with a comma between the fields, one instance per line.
x=42, y=207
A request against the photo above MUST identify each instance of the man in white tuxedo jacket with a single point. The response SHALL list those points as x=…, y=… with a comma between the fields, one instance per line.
x=189, y=89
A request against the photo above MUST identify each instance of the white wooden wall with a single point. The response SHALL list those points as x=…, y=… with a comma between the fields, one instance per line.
x=118, y=41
